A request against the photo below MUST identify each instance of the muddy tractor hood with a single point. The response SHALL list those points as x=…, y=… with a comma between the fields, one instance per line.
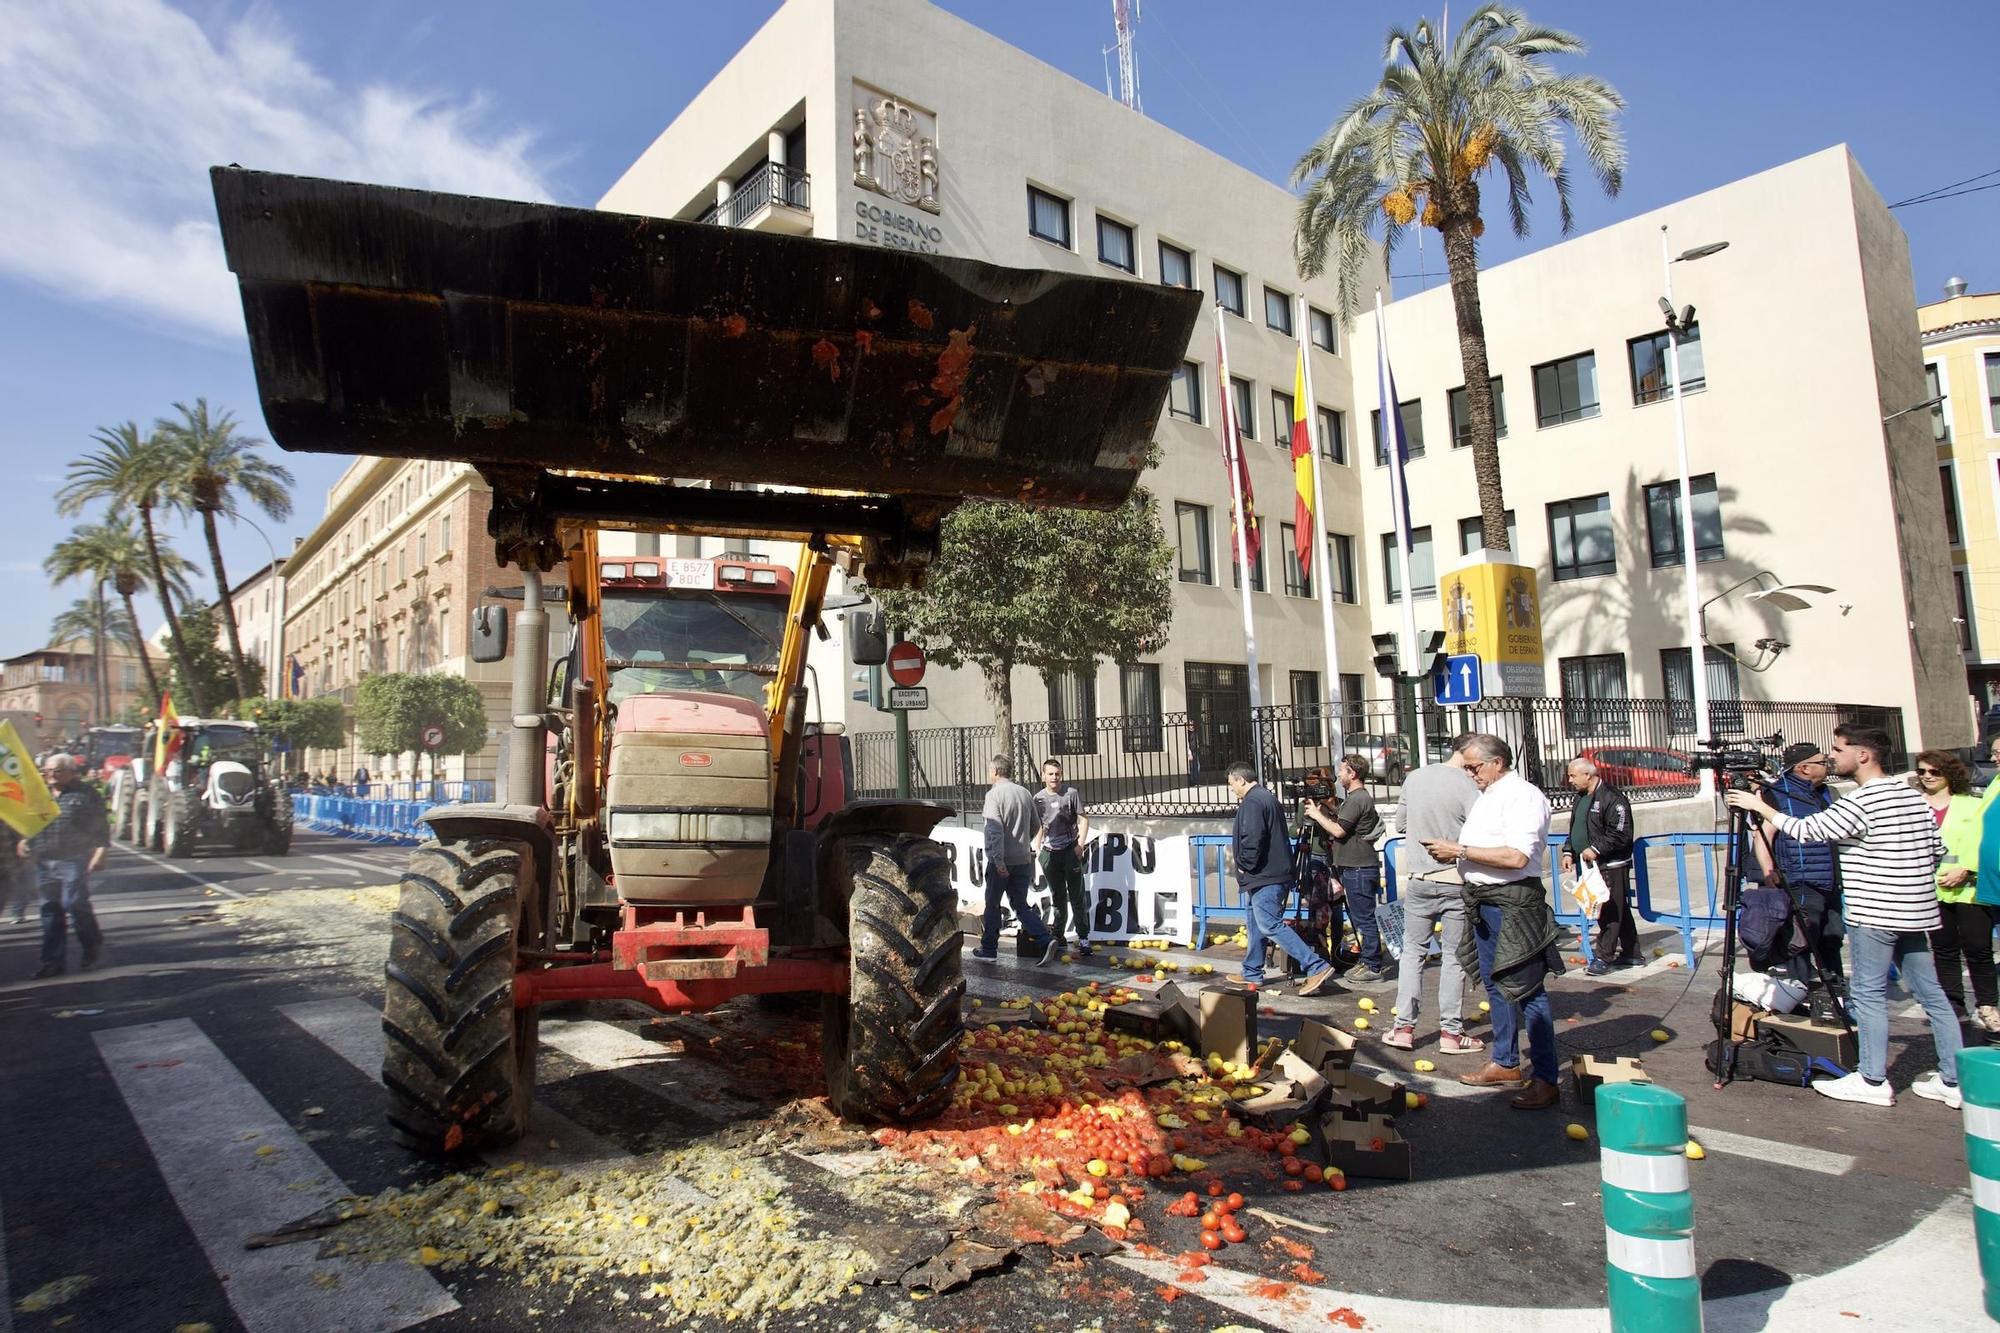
x=418, y=325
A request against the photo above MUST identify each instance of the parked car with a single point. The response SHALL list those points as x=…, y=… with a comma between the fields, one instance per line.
x=1634, y=766
x=1388, y=756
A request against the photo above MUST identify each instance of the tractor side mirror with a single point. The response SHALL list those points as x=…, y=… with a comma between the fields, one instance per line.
x=489, y=634
x=868, y=637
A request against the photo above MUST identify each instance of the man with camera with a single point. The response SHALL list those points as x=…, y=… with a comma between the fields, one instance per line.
x=1808, y=871
x=1265, y=871
x=1353, y=826
x=1600, y=834
x=1889, y=852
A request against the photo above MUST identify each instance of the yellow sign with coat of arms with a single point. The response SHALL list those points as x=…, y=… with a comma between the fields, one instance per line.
x=1493, y=611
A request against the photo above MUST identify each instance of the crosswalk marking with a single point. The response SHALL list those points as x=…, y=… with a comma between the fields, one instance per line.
x=644, y=1063
x=352, y=1029
x=235, y=1168
x=1765, y=1150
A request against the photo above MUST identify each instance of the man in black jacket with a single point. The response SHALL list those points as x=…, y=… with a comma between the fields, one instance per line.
x=1265, y=871
x=1600, y=834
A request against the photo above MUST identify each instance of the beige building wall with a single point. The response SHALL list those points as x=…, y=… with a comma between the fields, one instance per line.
x=1961, y=352
x=1804, y=324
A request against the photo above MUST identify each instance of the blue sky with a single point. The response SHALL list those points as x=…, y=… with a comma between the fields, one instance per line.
x=113, y=303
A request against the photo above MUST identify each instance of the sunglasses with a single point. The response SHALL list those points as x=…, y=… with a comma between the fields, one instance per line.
x=1929, y=773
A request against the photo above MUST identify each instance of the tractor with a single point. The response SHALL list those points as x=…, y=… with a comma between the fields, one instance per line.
x=107, y=749
x=216, y=788
x=675, y=825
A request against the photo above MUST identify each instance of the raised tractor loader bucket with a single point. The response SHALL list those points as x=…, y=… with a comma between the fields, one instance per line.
x=417, y=325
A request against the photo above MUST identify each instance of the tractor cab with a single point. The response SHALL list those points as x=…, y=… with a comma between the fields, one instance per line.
x=704, y=626
x=108, y=749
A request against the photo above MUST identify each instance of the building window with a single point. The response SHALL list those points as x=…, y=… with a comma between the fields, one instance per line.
x=1461, y=414
x=1072, y=712
x=1353, y=702
x=444, y=533
x=1961, y=585
x=1048, y=217
x=1423, y=565
x=1184, y=393
x=1139, y=698
x=1115, y=245
x=1282, y=408
x=1197, y=555
x=1725, y=694
x=1246, y=413
x=1953, y=525
x=1340, y=561
x=1176, y=266
x=444, y=630
x=1663, y=521
x=1322, y=329
x=402, y=565
x=1652, y=378
x=1581, y=542
x=1257, y=583
x=1470, y=538
x=1332, y=435
x=1566, y=390
x=1305, y=710
x=1412, y=414
x=1229, y=291
x=1936, y=386
x=1993, y=393
x=423, y=548
x=1298, y=582
x=1594, y=698
x=1278, y=311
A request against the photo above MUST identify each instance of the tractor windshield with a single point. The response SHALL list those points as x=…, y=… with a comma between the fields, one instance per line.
x=212, y=743
x=720, y=643
x=102, y=745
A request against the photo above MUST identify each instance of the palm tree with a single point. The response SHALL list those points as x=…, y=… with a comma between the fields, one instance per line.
x=114, y=552
x=98, y=621
x=129, y=469
x=1413, y=149
x=210, y=466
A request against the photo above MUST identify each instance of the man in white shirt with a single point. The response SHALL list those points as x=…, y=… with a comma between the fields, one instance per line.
x=1501, y=853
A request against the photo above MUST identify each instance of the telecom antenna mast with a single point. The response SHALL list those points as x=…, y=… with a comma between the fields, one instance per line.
x=1125, y=17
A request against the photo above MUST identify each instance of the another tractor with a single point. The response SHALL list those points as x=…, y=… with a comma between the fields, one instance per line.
x=217, y=789
x=108, y=749
x=675, y=826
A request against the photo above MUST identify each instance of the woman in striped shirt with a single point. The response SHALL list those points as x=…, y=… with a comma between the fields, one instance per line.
x=1889, y=854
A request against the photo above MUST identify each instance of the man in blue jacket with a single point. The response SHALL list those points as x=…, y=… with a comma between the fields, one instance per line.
x=1809, y=871
x=1265, y=871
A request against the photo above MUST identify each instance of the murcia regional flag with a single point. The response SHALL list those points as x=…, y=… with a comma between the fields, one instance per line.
x=1304, y=528
x=26, y=804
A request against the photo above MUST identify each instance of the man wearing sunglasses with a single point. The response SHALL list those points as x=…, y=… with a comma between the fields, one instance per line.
x=1808, y=871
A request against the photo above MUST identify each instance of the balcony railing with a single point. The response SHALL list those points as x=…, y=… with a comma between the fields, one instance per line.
x=772, y=184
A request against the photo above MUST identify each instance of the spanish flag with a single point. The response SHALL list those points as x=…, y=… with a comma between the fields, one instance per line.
x=26, y=804
x=167, y=736
x=1304, y=528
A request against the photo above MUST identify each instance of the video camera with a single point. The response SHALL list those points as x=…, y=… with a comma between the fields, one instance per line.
x=1742, y=764
x=1309, y=790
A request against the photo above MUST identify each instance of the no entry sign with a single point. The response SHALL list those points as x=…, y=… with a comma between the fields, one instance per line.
x=433, y=736
x=906, y=664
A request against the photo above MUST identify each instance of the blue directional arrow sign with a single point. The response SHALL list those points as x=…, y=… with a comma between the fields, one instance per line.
x=1459, y=681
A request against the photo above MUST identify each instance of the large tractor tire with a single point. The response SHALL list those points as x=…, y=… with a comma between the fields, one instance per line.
x=148, y=833
x=459, y=1058
x=278, y=832
x=891, y=1043
x=183, y=819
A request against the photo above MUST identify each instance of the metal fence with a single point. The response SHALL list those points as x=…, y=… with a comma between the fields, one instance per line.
x=1172, y=764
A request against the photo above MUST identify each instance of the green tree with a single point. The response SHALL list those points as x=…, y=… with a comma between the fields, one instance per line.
x=1413, y=149
x=391, y=712
x=114, y=552
x=303, y=724
x=209, y=675
x=209, y=466
x=128, y=470
x=1049, y=589
x=97, y=621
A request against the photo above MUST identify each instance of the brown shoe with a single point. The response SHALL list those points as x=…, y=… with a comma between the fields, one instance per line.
x=1317, y=982
x=1495, y=1076
x=1539, y=1096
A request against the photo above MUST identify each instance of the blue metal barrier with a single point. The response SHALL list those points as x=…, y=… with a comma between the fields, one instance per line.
x=366, y=819
x=1686, y=920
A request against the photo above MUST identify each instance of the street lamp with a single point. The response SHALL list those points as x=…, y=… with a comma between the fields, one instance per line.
x=274, y=655
x=1678, y=322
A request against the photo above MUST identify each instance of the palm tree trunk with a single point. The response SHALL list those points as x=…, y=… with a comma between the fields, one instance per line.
x=101, y=696
x=1461, y=253
x=175, y=645
x=244, y=688
x=139, y=647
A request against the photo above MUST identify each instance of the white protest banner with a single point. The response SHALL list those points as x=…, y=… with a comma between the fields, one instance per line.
x=1138, y=885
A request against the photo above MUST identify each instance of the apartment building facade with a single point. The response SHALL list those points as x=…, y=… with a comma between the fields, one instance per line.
x=58, y=684
x=1961, y=353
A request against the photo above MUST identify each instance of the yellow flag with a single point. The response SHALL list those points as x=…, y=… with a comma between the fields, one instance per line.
x=26, y=803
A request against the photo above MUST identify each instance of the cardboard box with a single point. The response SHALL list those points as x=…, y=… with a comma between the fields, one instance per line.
x=1170, y=1015
x=1743, y=1019
x=1358, y=1096
x=1592, y=1072
x=1324, y=1046
x=1296, y=1091
x=1229, y=1021
x=1350, y=1145
x=992, y=1015
x=1832, y=1044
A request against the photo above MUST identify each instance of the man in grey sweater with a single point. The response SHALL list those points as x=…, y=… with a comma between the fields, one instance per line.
x=1434, y=803
x=1010, y=864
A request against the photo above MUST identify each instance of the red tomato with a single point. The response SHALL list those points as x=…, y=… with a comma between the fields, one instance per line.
x=1234, y=1234
x=1234, y=1202
x=1293, y=1166
x=1314, y=1174
x=1210, y=1222
x=1339, y=1182
x=1210, y=1241
x=1214, y=1189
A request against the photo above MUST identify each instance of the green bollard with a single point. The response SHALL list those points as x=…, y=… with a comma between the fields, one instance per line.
x=1648, y=1212
x=1979, y=1080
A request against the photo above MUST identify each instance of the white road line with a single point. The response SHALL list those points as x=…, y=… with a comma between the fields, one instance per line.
x=620, y=1051
x=151, y=859
x=1766, y=1150
x=235, y=1168
x=352, y=1029
x=372, y=867
x=266, y=867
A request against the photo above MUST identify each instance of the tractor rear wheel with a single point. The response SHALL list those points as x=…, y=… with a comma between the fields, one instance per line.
x=183, y=817
x=278, y=832
x=458, y=1057
x=891, y=1043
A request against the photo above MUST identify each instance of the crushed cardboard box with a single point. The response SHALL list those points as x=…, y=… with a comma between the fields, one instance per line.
x=1170, y=1014
x=1591, y=1072
x=1359, y=1096
x=1295, y=1090
x=1367, y=1147
x=1229, y=1021
x=1324, y=1047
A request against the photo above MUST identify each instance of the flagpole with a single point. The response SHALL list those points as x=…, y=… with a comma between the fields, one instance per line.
x=1392, y=438
x=1336, y=734
x=1232, y=445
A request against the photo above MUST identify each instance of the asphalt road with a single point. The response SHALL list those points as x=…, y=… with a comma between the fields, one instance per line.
x=130, y=1097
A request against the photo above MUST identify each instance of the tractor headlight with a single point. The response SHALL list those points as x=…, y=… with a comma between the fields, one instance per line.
x=687, y=826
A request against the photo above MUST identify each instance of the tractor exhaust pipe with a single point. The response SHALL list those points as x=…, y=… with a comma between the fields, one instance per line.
x=526, y=750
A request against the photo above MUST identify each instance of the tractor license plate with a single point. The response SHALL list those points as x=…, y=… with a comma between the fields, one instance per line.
x=696, y=574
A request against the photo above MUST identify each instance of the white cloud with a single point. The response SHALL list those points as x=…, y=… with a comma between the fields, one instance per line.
x=112, y=111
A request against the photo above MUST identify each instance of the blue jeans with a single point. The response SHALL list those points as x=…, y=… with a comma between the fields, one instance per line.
x=1509, y=1018
x=1014, y=882
x=1363, y=884
x=1267, y=921
x=1870, y=951
x=65, y=889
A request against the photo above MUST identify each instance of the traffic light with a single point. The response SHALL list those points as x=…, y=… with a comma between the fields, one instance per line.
x=1430, y=652
x=1386, y=658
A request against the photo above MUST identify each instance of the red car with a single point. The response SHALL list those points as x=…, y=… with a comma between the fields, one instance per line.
x=1632, y=766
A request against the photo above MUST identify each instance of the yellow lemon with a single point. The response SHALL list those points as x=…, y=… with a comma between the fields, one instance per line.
x=1361, y=1024
x=1425, y=1066
x=1661, y=1034
x=1695, y=1152
x=1367, y=1005
x=1577, y=1132
x=1485, y=1006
